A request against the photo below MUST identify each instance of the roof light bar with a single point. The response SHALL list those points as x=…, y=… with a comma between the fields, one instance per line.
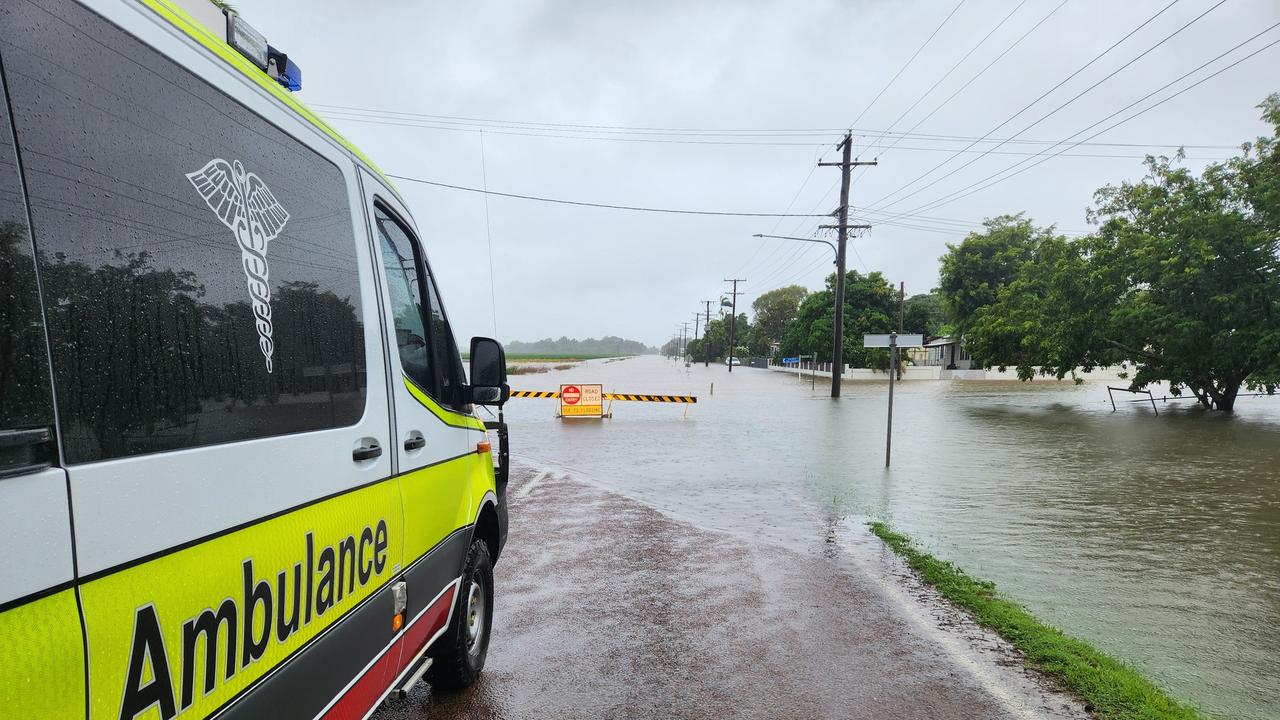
x=242, y=37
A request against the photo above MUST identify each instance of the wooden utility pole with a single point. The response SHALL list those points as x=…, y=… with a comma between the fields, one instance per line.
x=846, y=165
x=697, y=320
x=706, y=346
x=733, y=317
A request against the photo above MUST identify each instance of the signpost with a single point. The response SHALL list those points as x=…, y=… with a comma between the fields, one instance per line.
x=893, y=341
x=582, y=401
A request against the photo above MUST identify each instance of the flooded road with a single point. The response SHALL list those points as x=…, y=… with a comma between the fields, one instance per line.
x=608, y=608
x=1156, y=538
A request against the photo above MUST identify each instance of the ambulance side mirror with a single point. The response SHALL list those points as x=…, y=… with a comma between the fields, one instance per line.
x=488, y=372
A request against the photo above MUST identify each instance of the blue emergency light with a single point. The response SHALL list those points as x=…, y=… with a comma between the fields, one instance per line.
x=284, y=70
x=252, y=44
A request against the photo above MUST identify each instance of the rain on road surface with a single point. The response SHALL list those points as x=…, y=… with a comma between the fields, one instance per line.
x=650, y=547
x=608, y=609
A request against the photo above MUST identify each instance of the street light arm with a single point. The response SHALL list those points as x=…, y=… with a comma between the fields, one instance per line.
x=828, y=243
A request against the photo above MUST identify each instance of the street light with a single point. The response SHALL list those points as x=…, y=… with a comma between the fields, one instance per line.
x=836, y=372
x=828, y=243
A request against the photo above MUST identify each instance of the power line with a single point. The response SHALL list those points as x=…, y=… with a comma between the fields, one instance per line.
x=607, y=206
x=1045, y=94
x=998, y=25
x=812, y=168
x=954, y=67
x=1078, y=96
x=756, y=143
x=961, y=193
x=907, y=64
x=492, y=126
x=979, y=74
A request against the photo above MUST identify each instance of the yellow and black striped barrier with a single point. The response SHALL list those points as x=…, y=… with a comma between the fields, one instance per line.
x=630, y=397
x=651, y=398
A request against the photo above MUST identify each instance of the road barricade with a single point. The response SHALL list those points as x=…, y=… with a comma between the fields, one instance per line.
x=586, y=401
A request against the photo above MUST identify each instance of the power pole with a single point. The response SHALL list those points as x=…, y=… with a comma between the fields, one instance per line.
x=697, y=320
x=733, y=317
x=846, y=165
x=684, y=343
x=706, y=346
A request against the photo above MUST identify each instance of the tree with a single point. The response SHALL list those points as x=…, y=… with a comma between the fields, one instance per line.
x=870, y=306
x=975, y=271
x=924, y=314
x=715, y=337
x=1182, y=280
x=24, y=375
x=774, y=311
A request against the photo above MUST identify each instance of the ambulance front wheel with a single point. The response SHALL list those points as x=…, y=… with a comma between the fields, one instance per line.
x=458, y=656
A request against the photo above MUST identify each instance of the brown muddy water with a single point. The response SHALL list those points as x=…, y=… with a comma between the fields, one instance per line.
x=1155, y=538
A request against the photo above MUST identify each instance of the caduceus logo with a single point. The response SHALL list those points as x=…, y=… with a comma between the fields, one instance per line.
x=245, y=205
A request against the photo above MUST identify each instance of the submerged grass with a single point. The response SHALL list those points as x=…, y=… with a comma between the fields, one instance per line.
x=1113, y=689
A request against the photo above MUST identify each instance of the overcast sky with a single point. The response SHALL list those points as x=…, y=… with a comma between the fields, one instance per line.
x=747, y=65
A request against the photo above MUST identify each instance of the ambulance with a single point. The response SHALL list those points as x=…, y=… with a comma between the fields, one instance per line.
x=242, y=473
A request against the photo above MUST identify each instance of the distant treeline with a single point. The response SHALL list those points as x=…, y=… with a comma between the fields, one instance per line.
x=605, y=346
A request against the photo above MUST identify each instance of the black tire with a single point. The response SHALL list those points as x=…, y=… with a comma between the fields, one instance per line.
x=458, y=656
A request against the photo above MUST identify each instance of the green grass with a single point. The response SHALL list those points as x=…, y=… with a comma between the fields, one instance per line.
x=1115, y=690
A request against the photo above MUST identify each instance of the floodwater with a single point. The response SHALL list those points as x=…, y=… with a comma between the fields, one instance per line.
x=1155, y=538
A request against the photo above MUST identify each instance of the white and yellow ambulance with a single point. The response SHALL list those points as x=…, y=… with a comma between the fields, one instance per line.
x=240, y=473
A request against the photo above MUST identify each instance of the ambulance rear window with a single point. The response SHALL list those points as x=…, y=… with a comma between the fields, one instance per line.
x=199, y=264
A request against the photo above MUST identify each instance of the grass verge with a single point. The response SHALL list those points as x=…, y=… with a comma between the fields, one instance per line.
x=1113, y=689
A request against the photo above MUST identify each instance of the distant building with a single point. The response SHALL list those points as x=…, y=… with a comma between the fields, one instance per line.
x=947, y=353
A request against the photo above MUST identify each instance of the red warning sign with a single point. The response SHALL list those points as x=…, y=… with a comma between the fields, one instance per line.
x=581, y=401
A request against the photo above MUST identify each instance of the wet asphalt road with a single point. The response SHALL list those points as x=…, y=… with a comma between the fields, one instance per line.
x=606, y=608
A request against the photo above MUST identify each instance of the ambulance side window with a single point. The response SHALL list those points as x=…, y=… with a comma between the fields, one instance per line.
x=404, y=283
x=198, y=264
x=451, y=376
x=427, y=352
x=26, y=401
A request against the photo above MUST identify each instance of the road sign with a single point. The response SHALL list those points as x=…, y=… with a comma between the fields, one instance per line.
x=790, y=360
x=581, y=401
x=883, y=341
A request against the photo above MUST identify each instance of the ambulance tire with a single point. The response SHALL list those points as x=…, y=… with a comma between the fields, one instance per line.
x=458, y=655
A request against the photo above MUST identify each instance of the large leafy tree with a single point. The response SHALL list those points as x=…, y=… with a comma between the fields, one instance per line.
x=870, y=306
x=1182, y=281
x=974, y=272
x=774, y=311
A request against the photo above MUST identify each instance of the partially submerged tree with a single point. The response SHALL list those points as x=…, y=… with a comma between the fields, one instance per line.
x=1182, y=281
x=870, y=306
x=974, y=272
x=774, y=311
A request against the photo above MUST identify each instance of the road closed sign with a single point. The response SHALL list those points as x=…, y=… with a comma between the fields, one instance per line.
x=581, y=401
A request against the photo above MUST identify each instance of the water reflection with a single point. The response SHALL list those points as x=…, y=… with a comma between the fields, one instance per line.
x=145, y=360
x=1154, y=537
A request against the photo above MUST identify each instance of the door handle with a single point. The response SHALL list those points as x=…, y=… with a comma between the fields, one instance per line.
x=417, y=442
x=368, y=452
